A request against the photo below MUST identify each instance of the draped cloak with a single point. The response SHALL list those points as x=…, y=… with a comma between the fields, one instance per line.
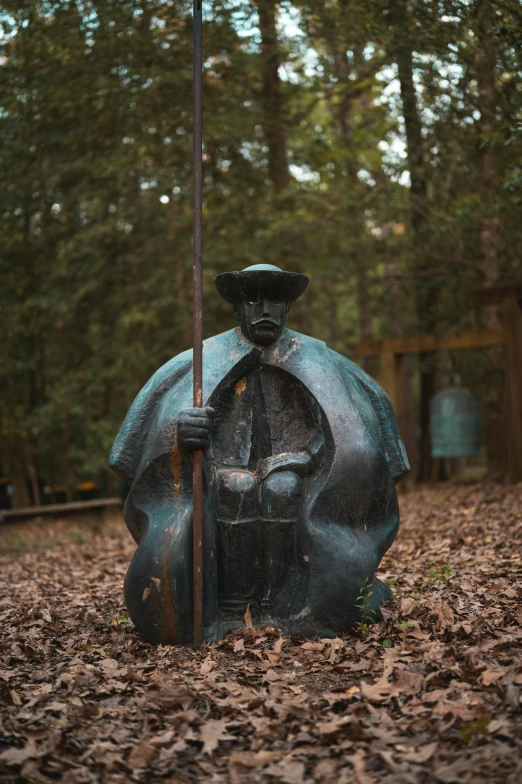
x=348, y=519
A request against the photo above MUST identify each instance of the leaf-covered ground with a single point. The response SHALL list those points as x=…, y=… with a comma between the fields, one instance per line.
x=430, y=695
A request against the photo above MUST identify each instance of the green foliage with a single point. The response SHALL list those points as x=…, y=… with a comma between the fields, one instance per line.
x=363, y=605
x=440, y=572
x=95, y=208
x=474, y=729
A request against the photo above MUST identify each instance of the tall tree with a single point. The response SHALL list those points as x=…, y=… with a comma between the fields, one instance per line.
x=95, y=208
x=486, y=64
x=274, y=125
x=402, y=49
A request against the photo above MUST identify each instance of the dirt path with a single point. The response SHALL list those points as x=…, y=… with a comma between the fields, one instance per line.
x=431, y=695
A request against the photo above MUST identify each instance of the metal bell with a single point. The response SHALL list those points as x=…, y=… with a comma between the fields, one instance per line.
x=454, y=422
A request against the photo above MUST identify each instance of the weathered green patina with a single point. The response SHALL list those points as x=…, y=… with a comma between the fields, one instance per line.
x=302, y=456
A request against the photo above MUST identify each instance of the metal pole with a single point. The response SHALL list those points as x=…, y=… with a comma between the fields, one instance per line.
x=197, y=552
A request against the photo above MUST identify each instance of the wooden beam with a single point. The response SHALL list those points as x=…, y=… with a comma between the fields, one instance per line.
x=426, y=343
x=59, y=509
x=494, y=295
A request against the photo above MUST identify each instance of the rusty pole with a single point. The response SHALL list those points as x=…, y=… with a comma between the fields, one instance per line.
x=197, y=549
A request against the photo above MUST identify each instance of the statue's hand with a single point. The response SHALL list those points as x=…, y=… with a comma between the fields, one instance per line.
x=195, y=428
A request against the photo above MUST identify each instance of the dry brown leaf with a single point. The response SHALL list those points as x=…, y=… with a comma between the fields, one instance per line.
x=287, y=771
x=382, y=689
x=174, y=696
x=358, y=763
x=207, y=666
x=212, y=732
x=421, y=754
x=313, y=646
x=142, y=754
x=442, y=702
x=242, y=764
x=248, y=618
x=491, y=676
x=278, y=645
x=17, y=756
x=407, y=683
x=333, y=727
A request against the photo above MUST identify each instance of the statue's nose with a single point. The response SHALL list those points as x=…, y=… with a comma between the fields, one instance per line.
x=266, y=307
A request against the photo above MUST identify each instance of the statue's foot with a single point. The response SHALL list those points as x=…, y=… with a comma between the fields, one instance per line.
x=381, y=595
x=364, y=608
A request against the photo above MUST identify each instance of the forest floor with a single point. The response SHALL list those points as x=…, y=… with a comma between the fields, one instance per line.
x=433, y=694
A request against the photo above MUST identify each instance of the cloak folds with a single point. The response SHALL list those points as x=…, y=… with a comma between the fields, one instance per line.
x=348, y=519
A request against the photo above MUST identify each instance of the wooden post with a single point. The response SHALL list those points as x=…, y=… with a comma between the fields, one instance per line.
x=388, y=375
x=512, y=307
x=197, y=364
x=392, y=380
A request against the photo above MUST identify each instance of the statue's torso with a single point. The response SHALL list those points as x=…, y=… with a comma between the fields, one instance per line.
x=266, y=435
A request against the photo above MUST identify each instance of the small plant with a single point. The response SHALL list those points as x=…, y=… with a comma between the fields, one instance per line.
x=123, y=621
x=78, y=536
x=440, y=572
x=362, y=604
x=474, y=729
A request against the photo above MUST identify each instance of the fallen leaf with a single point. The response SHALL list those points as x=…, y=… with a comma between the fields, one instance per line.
x=17, y=756
x=287, y=771
x=142, y=754
x=174, y=696
x=333, y=727
x=491, y=676
x=421, y=754
x=211, y=733
x=207, y=666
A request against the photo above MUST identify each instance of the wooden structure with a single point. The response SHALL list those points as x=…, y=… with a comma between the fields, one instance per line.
x=392, y=353
x=97, y=512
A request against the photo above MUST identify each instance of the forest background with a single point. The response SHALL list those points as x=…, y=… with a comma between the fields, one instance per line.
x=374, y=145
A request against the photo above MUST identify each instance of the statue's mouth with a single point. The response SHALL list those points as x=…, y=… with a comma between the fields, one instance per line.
x=265, y=323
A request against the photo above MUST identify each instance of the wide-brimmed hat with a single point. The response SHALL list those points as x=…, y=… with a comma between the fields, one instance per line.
x=261, y=280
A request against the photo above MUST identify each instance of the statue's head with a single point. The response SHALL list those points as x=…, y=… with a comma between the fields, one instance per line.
x=261, y=296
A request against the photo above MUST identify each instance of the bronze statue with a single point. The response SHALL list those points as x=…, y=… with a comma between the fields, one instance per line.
x=302, y=454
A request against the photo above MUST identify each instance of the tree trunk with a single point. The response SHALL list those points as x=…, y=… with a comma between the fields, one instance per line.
x=364, y=306
x=425, y=293
x=355, y=218
x=485, y=61
x=14, y=468
x=494, y=408
x=412, y=123
x=32, y=470
x=274, y=127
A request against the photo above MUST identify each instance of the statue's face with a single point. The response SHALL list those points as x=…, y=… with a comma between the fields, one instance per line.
x=262, y=322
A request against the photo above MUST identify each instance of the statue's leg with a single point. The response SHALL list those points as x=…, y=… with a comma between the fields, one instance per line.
x=158, y=590
x=238, y=542
x=342, y=588
x=281, y=499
